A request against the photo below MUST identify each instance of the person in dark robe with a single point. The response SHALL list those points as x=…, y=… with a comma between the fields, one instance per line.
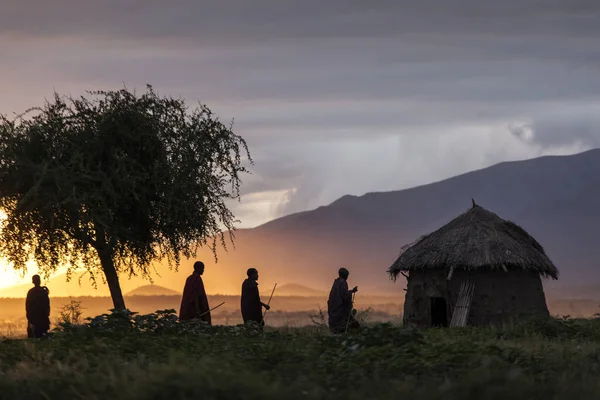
x=37, y=309
x=339, y=305
x=194, y=303
x=251, y=305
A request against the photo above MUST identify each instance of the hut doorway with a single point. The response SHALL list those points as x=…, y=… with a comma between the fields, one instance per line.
x=439, y=311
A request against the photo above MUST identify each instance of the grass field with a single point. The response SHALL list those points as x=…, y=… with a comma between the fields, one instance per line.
x=153, y=357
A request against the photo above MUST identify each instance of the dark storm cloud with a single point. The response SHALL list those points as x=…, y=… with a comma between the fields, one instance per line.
x=323, y=90
x=329, y=92
x=463, y=52
x=259, y=19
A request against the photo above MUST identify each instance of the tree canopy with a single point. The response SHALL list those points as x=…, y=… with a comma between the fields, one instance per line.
x=113, y=181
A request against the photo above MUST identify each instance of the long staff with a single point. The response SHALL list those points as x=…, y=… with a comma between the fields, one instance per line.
x=350, y=313
x=269, y=303
x=206, y=312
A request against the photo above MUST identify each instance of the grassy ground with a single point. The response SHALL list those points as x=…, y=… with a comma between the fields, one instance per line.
x=154, y=358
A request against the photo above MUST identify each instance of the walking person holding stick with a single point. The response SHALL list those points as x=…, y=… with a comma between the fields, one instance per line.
x=340, y=303
x=251, y=305
x=194, y=302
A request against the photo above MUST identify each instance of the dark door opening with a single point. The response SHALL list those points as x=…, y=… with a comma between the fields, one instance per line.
x=439, y=312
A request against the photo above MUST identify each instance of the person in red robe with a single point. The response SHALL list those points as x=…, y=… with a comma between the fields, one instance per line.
x=37, y=309
x=194, y=303
x=250, y=303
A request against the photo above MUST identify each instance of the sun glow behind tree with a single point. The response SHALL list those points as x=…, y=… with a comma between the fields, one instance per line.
x=114, y=182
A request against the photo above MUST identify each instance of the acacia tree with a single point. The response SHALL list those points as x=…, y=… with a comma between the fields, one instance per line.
x=114, y=181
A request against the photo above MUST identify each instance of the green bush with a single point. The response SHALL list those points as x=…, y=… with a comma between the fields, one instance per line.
x=123, y=355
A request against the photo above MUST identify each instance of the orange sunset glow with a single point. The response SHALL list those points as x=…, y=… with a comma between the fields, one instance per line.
x=219, y=279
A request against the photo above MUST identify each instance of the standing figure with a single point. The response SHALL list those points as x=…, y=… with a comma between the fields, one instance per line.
x=37, y=308
x=339, y=305
x=194, y=303
x=251, y=305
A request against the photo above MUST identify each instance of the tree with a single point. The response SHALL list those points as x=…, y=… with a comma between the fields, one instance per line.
x=113, y=182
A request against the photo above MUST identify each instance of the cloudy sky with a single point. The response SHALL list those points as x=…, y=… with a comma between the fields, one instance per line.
x=334, y=97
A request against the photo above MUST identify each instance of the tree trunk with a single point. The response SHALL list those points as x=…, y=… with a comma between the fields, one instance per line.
x=105, y=253
x=112, y=279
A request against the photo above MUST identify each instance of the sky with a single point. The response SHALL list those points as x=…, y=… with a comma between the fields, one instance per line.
x=333, y=98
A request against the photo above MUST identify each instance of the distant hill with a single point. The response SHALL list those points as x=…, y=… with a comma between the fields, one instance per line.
x=292, y=289
x=152, y=290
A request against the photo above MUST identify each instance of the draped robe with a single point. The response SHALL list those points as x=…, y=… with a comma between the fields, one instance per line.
x=194, y=301
x=251, y=305
x=339, y=306
x=37, y=309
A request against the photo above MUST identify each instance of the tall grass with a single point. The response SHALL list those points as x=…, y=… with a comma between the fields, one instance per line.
x=152, y=357
x=13, y=329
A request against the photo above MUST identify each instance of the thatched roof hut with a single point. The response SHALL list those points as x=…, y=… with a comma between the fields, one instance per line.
x=474, y=240
x=498, y=258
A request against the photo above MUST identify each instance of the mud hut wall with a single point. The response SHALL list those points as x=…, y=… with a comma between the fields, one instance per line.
x=421, y=286
x=501, y=296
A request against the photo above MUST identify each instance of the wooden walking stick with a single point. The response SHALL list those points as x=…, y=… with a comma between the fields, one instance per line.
x=269, y=303
x=350, y=313
x=206, y=312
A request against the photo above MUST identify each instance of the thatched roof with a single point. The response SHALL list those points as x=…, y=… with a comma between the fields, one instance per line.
x=475, y=240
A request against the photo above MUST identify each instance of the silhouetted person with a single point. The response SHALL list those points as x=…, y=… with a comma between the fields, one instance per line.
x=339, y=305
x=250, y=303
x=194, y=303
x=37, y=308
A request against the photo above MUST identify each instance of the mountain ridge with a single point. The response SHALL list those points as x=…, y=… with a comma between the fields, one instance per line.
x=349, y=197
x=152, y=290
